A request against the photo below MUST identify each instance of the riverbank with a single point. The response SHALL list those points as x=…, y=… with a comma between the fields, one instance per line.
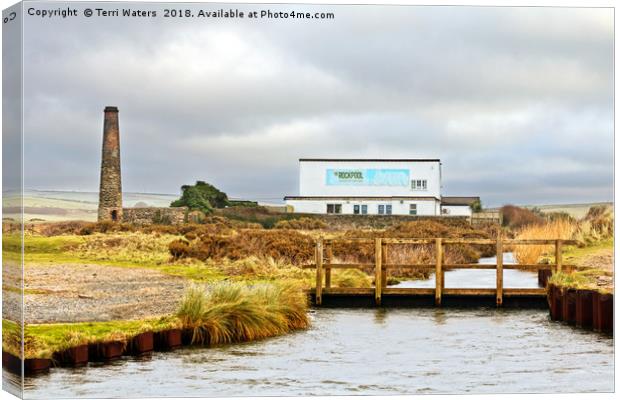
x=217, y=314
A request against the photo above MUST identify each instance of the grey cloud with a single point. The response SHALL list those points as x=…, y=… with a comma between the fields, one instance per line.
x=523, y=93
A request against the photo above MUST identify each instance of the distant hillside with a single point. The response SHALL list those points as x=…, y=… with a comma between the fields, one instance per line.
x=44, y=205
x=574, y=210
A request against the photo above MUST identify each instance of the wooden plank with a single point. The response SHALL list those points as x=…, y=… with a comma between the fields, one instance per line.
x=438, y=272
x=415, y=266
x=524, y=267
x=348, y=266
x=558, y=255
x=349, y=291
x=535, y=241
x=528, y=267
x=409, y=292
x=499, y=276
x=469, y=266
x=508, y=292
x=349, y=240
x=319, y=272
x=378, y=271
x=328, y=269
x=468, y=241
x=408, y=241
x=470, y=292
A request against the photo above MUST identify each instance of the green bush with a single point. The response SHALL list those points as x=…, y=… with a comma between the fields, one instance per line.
x=202, y=197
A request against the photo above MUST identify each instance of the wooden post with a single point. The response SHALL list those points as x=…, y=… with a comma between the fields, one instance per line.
x=438, y=272
x=378, y=271
x=500, y=271
x=319, y=272
x=558, y=255
x=328, y=270
x=443, y=272
x=384, y=255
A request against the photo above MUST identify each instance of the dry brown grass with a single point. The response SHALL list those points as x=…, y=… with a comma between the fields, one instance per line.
x=557, y=229
x=280, y=244
x=517, y=217
x=301, y=224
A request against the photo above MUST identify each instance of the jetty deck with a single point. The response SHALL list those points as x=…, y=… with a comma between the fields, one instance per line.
x=323, y=294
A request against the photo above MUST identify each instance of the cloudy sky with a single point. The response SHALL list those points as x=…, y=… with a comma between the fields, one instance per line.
x=516, y=102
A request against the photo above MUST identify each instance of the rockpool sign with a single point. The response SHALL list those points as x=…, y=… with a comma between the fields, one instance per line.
x=367, y=177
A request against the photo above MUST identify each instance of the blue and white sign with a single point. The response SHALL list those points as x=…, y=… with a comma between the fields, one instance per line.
x=367, y=177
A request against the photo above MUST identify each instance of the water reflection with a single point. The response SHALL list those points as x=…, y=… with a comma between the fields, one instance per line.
x=480, y=278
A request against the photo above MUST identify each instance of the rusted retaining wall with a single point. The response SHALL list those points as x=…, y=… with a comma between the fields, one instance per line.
x=583, y=308
x=77, y=356
x=543, y=277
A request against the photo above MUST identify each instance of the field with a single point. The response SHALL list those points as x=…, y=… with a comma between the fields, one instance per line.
x=117, y=277
x=40, y=205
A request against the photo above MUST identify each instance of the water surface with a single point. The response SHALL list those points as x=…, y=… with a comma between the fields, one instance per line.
x=366, y=351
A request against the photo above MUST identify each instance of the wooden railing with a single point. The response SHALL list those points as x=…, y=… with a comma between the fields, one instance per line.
x=324, y=265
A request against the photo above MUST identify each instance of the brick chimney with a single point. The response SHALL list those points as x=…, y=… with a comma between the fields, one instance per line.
x=110, y=193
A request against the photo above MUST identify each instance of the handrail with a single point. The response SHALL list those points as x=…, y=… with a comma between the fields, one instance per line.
x=381, y=266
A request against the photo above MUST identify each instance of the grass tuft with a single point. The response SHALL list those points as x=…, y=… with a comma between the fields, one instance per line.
x=228, y=312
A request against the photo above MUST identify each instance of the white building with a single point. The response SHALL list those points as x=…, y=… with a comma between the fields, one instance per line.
x=374, y=186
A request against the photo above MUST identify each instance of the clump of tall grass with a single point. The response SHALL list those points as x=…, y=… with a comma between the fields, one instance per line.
x=227, y=312
x=350, y=278
x=584, y=279
x=597, y=225
x=557, y=229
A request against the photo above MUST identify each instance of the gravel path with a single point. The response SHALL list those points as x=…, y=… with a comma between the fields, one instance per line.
x=78, y=292
x=11, y=288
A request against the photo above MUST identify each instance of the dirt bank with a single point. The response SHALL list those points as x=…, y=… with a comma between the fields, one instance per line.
x=78, y=292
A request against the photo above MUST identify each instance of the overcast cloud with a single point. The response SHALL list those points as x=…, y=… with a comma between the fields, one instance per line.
x=516, y=102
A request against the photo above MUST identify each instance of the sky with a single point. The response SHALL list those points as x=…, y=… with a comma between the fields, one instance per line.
x=516, y=102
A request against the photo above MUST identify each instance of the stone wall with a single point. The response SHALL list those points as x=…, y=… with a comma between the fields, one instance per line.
x=155, y=215
x=373, y=221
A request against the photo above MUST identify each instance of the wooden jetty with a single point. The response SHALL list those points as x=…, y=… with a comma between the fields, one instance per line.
x=380, y=295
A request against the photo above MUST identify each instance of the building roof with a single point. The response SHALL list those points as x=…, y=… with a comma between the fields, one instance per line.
x=360, y=198
x=370, y=159
x=458, y=201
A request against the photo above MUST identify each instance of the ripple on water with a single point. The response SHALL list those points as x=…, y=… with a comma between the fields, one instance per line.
x=349, y=351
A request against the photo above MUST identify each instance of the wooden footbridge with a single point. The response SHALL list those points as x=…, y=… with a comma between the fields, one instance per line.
x=380, y=294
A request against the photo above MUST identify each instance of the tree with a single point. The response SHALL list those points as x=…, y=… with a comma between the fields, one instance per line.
x=476, y=206
x=201, y=196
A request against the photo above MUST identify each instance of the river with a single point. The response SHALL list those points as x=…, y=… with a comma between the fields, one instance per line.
x=369, y=352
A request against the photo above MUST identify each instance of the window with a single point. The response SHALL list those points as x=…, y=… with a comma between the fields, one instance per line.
x=413, y=209
x=385, y=209
x=445, y=211
x=334, y=208
x=418, y=184
x=356, y=209
x=364, y=209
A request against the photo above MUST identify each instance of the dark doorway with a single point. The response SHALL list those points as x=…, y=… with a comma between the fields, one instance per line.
x=114, y=215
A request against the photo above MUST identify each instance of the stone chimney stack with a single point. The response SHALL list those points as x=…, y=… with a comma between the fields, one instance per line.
x=110, y=193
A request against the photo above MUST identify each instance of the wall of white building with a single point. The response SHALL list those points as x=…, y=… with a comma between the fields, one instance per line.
x=399, y=207
x=380, y=178
x=456, y=211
